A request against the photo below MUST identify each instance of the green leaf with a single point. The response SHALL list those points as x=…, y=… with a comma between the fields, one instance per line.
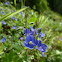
x=1, y=48
x=15, y=2
x=10, y=15
x=32, y=19
x=0, y=28
x=0, y=25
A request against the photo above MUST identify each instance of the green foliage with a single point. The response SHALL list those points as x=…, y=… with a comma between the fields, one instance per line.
x=13, y=49
x=15, y=2
x=56, y=5
x=9, y=15
x=39, y=5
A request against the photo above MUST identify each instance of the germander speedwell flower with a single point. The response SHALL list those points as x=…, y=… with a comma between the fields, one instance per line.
x=3, y=13
x=3, y=22
x=31, y=39
x=30, y=42
x=14, y=27
x=41, y=47
x=4, y=40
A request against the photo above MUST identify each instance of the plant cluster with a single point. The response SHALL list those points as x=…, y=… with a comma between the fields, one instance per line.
x=31, y=39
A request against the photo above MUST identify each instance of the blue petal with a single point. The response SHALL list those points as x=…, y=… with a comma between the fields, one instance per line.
x=21, y=13
x=43, y=54
x=7, y=3
x=32, y=33
x=36, y=33
x=32, y=38
x=26, y=45
x=16, y=19
x=42, y=34
x=13, y=18
x=40, y=37
x=27, y=31
x=3, y=13
x=31, y=46
x=31, y=28
x=28, y=39
x=14, y=27
x=44, y=47
x=21, y=38
x=36, y=41
x=3, y=22
x=39, y=43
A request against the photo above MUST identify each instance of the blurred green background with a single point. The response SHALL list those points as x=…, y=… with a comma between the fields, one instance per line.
x=47, y=14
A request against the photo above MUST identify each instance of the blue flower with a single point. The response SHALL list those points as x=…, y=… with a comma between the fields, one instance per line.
x=22, y=14
x=13, y=18
x=42, y=47
x=3, y=13
x=7, y=3
x=41, y=35
x=61, y=39
x=21, y=38
x=14, y=27
x=3, y=22
x=14, y=10
x=4, y=40
x=30, y=42
x=5, y=0
x=16, y=19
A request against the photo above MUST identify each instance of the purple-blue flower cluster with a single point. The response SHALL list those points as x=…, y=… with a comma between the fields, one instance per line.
x=14, y=18
x=7, y=3
x=31, y=40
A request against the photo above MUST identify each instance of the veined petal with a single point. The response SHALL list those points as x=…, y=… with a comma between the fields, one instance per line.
x=26, y=45
x=44, y=47
x=29, y=38
x=39, y=43
x=31, y=46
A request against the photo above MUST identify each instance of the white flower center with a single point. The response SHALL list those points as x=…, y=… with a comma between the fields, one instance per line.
x=30, y=42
